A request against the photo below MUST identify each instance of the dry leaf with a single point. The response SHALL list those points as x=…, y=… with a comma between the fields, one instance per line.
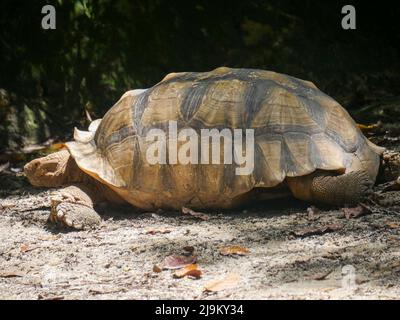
x=317, y=230
x=360, y=210
x=6, y=204
x=54, y=298
x=156, y=231
x=45, y=297
x=392, y=225
x=55, y=147
x=12, y=273
x=320, y=276
x=234, y=250
x=100, y=291
x=26, y=248
x=177, y=261
x=49, y=237
x=189, y=271
x=156, y=269
x=229, y=282
x=368, y=128
x=195, y=214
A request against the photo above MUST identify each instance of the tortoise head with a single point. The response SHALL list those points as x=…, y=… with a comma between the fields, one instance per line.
x=56, y=169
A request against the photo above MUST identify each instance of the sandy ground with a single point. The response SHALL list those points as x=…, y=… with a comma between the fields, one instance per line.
x=359, y=258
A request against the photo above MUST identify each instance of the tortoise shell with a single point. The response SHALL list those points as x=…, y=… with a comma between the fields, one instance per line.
x=297, y=128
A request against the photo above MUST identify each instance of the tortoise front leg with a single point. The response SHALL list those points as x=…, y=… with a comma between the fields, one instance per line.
x=323, y=187
x=73, y=207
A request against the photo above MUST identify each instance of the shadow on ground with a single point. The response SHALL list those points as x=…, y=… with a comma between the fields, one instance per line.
x=41, y=261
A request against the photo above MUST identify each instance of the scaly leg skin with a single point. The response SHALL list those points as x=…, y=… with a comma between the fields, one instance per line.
x=349, y=188
x=73, y=207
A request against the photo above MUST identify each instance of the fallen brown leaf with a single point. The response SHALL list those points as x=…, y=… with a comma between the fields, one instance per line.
x=189, y=271
x=392, y=225
x=228, y=282
x=12, y=273
x=55, y=147
x=306, y=232
x=368, y=128
x=195, y=214
x=50, y=237
x=320, y=276
x=26, y=247
x=45, y=297
x=158, y=231
x=54, y=298
x=156, y=269
x=7, y=204
x=177, y=261
x=360, y=210
x=234, y=250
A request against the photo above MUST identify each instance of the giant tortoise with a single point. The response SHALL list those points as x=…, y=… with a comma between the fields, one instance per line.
x=304, y=143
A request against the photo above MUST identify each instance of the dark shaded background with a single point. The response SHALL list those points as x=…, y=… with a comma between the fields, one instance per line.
x=102, y=48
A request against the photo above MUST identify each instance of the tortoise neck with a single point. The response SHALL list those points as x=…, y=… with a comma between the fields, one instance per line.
x=72, y=173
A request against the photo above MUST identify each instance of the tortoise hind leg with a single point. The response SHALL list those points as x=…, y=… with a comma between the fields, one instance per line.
x=323, y=187
x=73, y=207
